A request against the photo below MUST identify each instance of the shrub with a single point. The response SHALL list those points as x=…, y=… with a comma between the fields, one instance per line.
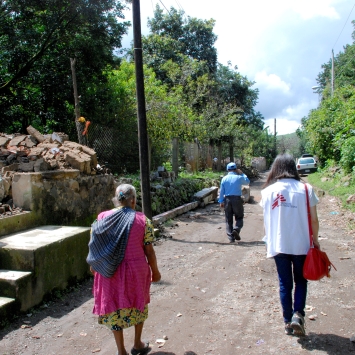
x=347, y=160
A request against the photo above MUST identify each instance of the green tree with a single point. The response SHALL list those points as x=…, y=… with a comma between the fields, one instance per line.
x=189, y=36
x=37, y=38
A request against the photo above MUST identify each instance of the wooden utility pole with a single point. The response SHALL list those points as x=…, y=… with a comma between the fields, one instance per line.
x=332, y=92
x=141, y=111
x=79, y=125
x=275, y=153
x=176, y=156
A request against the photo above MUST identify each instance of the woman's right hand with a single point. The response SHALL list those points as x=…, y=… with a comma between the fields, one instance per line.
x=156, y=276
x=316, y=244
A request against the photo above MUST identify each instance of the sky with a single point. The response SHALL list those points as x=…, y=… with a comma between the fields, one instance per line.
x=279, y=44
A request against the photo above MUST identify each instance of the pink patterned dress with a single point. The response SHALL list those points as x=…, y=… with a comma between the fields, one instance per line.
x=121, y=301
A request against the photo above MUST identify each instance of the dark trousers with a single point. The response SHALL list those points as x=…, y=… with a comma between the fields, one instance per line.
x=233, y=208
x=290, y=270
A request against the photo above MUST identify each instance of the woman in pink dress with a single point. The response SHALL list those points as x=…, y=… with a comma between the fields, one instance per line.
x=123, y=261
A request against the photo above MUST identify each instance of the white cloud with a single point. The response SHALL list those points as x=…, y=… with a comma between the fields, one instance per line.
x=289, y=119
x=271, y=82
x=281, y=44
x=314, y=8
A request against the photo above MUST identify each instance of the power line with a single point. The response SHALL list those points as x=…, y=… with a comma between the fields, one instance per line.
x=181, y=8
x=165, y=7
x=344, y=26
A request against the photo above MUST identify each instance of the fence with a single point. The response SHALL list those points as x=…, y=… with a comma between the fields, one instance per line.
x=121, y=153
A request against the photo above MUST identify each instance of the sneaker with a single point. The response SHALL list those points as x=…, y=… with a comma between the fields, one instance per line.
x=288, y=329
x=297, y=324
x=231, y=241
x=235, y=234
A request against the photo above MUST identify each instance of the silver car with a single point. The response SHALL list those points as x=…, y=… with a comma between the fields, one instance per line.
x=306, y=165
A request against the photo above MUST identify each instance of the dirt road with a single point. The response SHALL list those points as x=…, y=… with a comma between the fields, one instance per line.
x=214, y=297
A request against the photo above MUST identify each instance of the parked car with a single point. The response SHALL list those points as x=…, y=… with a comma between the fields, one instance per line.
x=307, y=156
x=306, y=165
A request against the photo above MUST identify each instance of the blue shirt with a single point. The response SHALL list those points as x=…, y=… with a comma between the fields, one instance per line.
x=231, y=185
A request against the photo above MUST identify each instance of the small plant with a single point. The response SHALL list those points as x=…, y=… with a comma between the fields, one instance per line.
x=167, y=165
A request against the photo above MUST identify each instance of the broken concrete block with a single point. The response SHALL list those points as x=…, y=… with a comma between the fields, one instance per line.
x=26, y=167
x=17, y=140
x=92, y=154
x=87, y=159
x=4, y=141
x=12, y=167
x=73, y=145
x=41, y=165
x=75, y=161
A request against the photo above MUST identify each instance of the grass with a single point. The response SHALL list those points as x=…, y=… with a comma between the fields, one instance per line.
x=334, y=186
x=208, y=174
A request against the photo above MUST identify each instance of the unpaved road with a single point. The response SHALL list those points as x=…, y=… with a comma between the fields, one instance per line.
x=214, y=297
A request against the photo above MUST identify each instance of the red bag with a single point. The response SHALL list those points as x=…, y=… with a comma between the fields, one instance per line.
x=317, y=264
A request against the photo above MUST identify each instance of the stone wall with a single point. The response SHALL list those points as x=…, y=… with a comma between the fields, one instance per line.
x=67, y=197
x=63, y=197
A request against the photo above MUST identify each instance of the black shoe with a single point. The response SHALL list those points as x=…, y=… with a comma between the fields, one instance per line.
x=297, y=324
x=231, y=241
x=235, y=234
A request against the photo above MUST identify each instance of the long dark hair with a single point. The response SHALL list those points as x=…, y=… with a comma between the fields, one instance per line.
x=283, y=167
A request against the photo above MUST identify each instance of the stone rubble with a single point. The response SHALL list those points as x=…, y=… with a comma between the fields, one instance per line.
x=21, y=153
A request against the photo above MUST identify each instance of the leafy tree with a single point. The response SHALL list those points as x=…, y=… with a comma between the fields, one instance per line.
x=174, y=37
x=331, y=125
x=37, y=38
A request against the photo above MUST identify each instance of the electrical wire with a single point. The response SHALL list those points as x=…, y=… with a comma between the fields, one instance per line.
x=344, y=25
x=180, y=7
x=165, y=7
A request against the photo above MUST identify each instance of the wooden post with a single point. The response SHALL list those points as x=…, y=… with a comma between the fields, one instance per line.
x=196, y=157
x=219, y=162
x=79, y=125
x=175, y=156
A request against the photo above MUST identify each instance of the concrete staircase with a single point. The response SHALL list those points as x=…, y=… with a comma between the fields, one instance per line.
x=37, y=261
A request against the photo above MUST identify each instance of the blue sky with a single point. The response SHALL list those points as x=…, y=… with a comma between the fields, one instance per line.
x=279, y=44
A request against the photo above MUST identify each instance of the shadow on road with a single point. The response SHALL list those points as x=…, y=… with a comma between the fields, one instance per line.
x=169, y=353
x=239, y=243
x=329, y=343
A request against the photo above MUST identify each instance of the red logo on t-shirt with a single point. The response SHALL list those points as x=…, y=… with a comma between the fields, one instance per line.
x=279, y=198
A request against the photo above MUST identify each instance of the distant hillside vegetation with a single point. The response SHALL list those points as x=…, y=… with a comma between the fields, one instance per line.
x=289, y=143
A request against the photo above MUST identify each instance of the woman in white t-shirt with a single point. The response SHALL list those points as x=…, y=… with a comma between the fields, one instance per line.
x=287, y=235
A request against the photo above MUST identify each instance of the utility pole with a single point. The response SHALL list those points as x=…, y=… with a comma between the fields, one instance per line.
x=332, y=92
x=275, y=138
x=141, y=112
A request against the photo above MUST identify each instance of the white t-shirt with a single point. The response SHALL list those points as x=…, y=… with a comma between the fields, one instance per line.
x=285, y=217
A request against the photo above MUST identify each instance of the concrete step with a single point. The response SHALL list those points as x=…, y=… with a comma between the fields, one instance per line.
x=206, y=195
x=18, y=285
x=8, y=307
x=18, y=222
x=56, y=256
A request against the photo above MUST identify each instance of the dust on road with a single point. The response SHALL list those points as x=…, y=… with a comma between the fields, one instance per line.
x=214, y=297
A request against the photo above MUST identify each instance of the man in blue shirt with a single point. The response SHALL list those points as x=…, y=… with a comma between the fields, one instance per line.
x=230, y=198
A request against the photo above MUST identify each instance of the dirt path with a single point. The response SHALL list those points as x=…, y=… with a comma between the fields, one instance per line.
x=214, y=297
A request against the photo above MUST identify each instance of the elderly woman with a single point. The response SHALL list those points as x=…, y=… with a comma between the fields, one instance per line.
x=123, y=261
x=287, y=235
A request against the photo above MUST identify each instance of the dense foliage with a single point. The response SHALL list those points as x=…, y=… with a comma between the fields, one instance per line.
x=37, y=40
x=189, y=94
x=330, y=129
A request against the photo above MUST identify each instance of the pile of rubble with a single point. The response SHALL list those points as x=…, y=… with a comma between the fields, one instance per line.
x=37, y=153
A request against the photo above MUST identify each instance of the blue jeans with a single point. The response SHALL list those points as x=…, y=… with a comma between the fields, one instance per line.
x=290, y=269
